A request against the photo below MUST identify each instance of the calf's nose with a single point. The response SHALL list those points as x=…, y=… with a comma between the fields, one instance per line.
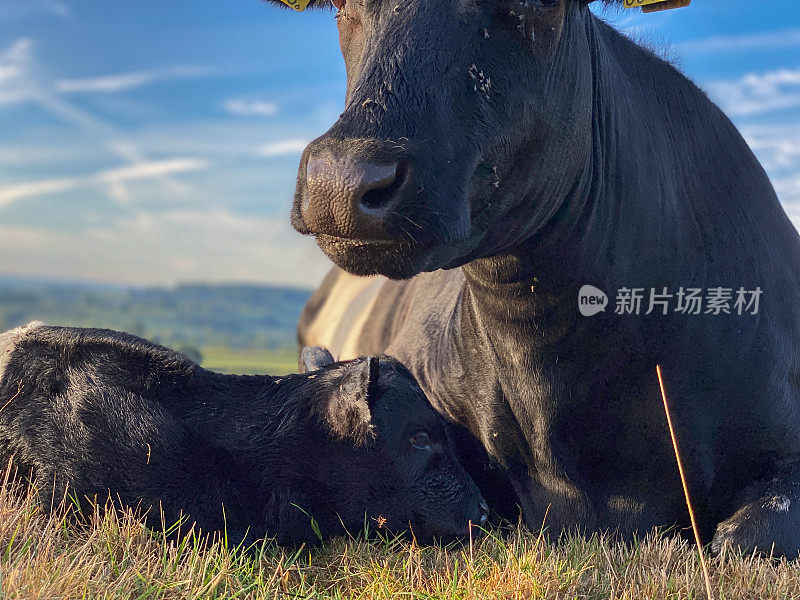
x=350, y=198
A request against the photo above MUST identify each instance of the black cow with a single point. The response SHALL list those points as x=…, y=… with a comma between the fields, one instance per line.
x=100, y=413
x=528, y=149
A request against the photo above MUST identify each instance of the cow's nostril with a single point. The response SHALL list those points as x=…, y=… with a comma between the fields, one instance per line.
x=379, y=197
x=351, y=198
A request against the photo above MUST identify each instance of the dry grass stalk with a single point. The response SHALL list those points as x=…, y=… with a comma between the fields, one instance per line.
x=696, y=531
x=20, y=387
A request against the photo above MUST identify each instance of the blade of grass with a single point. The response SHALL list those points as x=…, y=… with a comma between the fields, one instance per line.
x=20, y=387
x=696, y=531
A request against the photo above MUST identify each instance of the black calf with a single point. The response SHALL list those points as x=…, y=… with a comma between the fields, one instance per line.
x=104, y=413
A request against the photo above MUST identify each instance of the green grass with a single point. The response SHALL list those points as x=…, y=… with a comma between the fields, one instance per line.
x=249, y=362
x=112, y=555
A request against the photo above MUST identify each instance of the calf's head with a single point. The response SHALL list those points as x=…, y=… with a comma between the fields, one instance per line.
x=388, y=456
x=466, y=124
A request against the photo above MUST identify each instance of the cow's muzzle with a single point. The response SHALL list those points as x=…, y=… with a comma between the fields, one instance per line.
x=349, y=198
x=376, y=206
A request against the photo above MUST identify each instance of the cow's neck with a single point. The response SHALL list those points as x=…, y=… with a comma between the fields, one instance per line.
x=640, y=211
x=625, y=214
x=622, y=213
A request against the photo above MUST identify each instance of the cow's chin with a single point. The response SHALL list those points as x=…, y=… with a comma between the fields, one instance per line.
x=393, y=259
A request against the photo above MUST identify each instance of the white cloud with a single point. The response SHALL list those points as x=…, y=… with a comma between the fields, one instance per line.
x=768, y=40
x=171, y=246
x=250, y=108
x=19, y=51
x=22, y=9
x=152, y=169
x=793, y=210
x=20, y=191
x=113, y=178
x=758, y=93
x=14, y=63
x=120, y=82
x=8, y=72
x=119, y=192
x=22, y=84
x=59, y=8
x=788, y=190
x=283, y=148
x=777, y=147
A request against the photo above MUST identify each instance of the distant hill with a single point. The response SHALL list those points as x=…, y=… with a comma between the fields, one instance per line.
x=192, y=315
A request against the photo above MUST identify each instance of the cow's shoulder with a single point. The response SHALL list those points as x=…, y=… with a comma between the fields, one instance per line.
x=338, y=311
x=354, y=316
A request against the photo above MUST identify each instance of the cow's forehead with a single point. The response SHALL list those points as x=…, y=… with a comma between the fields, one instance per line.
x=463, y=6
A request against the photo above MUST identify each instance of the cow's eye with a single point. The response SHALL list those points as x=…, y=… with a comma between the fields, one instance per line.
x=339, y=4
x=421, y=441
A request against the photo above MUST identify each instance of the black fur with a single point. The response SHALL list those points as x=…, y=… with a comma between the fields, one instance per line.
x=101, y=413
x=541, y=150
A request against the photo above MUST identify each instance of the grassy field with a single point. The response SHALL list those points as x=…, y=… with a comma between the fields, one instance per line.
x=111, y=555
x=249, y=362
x=114, y=556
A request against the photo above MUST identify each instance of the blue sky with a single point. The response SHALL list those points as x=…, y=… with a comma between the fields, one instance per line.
x=153, y=142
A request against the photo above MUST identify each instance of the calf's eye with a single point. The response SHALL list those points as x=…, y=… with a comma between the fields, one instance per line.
x=421, y=441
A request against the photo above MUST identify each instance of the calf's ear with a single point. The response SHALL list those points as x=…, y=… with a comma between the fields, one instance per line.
x=349, y=411
x=313, y=358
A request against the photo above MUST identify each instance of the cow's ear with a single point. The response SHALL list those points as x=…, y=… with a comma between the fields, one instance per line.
x=311, y=4
x=543, y=23
x=349, y=411
x=314, y=358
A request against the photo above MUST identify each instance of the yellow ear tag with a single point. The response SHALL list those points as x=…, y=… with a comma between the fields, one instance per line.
x=649, y=6
x=298, y=5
